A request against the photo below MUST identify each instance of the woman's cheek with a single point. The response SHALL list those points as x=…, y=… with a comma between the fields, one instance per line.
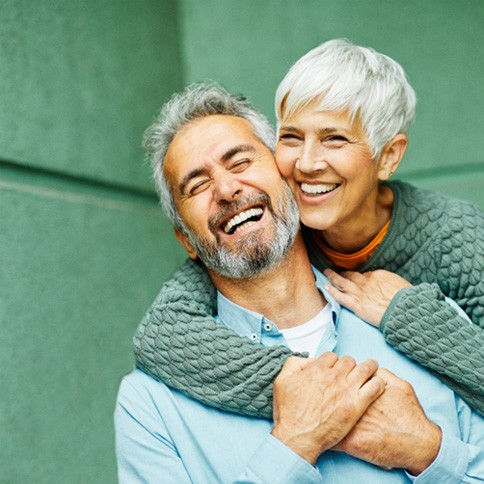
x=284, y=163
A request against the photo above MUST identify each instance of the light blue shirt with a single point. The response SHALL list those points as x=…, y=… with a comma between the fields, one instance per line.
x=163, y=436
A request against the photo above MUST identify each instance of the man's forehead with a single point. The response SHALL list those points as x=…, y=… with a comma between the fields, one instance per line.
x=208, y=140
x=212, y=131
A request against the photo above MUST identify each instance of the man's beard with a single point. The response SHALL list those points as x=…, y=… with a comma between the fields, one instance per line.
x=251, y=255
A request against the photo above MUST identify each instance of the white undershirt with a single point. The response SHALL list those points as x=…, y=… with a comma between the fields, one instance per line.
x=307, y=337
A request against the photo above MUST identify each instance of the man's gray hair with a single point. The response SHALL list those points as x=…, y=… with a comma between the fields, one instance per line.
x=342, y=76
x=195, y=102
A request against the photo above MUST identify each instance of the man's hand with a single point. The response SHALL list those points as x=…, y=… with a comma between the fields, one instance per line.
x=317, y=402
x=367, y=295
x=394, y=431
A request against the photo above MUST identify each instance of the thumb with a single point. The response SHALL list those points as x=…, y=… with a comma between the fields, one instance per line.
x=295, y=364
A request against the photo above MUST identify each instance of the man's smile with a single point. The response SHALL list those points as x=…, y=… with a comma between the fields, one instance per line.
x=233, y=217
x=242, y=220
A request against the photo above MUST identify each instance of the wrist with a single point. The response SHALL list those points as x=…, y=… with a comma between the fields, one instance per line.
x=426, y=452
x=302, y=445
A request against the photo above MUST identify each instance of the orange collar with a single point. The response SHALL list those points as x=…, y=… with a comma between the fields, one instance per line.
x=354, y=260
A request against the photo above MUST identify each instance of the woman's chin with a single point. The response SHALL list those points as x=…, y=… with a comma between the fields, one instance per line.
x=318, y=223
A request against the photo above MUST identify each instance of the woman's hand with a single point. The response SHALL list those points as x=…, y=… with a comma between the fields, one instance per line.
x=367, y=295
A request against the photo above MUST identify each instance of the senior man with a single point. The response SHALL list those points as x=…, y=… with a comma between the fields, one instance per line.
x=334, y=420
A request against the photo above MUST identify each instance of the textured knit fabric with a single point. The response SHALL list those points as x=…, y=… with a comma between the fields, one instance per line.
x=179, y=342
x=435, y=242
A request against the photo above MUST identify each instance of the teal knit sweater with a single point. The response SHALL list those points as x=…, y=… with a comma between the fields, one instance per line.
x=435, y=242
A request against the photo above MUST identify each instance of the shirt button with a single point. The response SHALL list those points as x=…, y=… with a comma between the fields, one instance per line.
x=268, y=326
x=253, y=337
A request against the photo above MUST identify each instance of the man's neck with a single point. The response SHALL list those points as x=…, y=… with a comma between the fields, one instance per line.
x=285, y=294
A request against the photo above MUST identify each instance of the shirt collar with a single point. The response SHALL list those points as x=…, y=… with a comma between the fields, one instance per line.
x=249, y=323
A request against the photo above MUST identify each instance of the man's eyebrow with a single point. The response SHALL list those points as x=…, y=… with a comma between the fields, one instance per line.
x=190, y=176
x=236, y=149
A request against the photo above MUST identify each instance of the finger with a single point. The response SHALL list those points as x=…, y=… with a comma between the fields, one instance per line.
x=386, y=375
x=363, y=372
x=328, y=359
x=372, y=389
x=353, y=276
x=345, y=299
x=339, y=447
x=337, y=280
x=402, y=386
x=345, y=364
x=295, y=364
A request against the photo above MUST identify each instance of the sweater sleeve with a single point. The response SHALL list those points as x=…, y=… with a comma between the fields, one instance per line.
x=179, y=342
x=421, y=324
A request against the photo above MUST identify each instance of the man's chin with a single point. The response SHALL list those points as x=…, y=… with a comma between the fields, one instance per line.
x=252, y=239
x=249, y=258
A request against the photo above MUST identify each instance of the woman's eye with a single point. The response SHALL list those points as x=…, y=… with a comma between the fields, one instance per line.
x=335, y=140
x=287, y=137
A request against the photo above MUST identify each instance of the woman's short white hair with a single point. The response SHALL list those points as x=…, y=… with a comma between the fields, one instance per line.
x=195, y=102
x=343, y=76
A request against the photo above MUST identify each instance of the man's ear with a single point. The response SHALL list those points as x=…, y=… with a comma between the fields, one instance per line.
x=391, y=156
x=183, y=239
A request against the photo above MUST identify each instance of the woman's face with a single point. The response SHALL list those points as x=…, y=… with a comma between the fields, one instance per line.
x=328, y=164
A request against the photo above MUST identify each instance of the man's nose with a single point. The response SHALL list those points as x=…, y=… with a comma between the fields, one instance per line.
x=312, y=157
x=227, y=187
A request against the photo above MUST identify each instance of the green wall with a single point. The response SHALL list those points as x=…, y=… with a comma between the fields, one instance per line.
x=83, y=245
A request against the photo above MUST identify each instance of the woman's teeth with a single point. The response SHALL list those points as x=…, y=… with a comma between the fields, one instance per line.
x=318, y=189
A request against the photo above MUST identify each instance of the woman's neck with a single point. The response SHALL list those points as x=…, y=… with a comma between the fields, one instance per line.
x=351, y=236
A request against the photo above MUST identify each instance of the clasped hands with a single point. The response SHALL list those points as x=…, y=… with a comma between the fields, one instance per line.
x=333, y=403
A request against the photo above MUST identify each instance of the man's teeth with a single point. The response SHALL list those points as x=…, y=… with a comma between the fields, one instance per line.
x=244, y=226
x=318, y=189
x=240, y=218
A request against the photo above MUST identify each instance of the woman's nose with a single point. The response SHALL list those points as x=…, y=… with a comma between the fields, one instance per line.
x=311, y=158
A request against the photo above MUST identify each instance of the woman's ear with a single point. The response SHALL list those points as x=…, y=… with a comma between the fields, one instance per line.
x=391, y=156
x=183, y=239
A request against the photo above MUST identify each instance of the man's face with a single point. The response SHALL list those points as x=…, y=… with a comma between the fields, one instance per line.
x=239, y=214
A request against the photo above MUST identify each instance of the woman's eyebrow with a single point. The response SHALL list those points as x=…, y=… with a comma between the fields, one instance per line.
x=326, y=130
x=290, y=129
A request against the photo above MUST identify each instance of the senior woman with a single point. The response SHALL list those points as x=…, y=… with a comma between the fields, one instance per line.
x=343, y=112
